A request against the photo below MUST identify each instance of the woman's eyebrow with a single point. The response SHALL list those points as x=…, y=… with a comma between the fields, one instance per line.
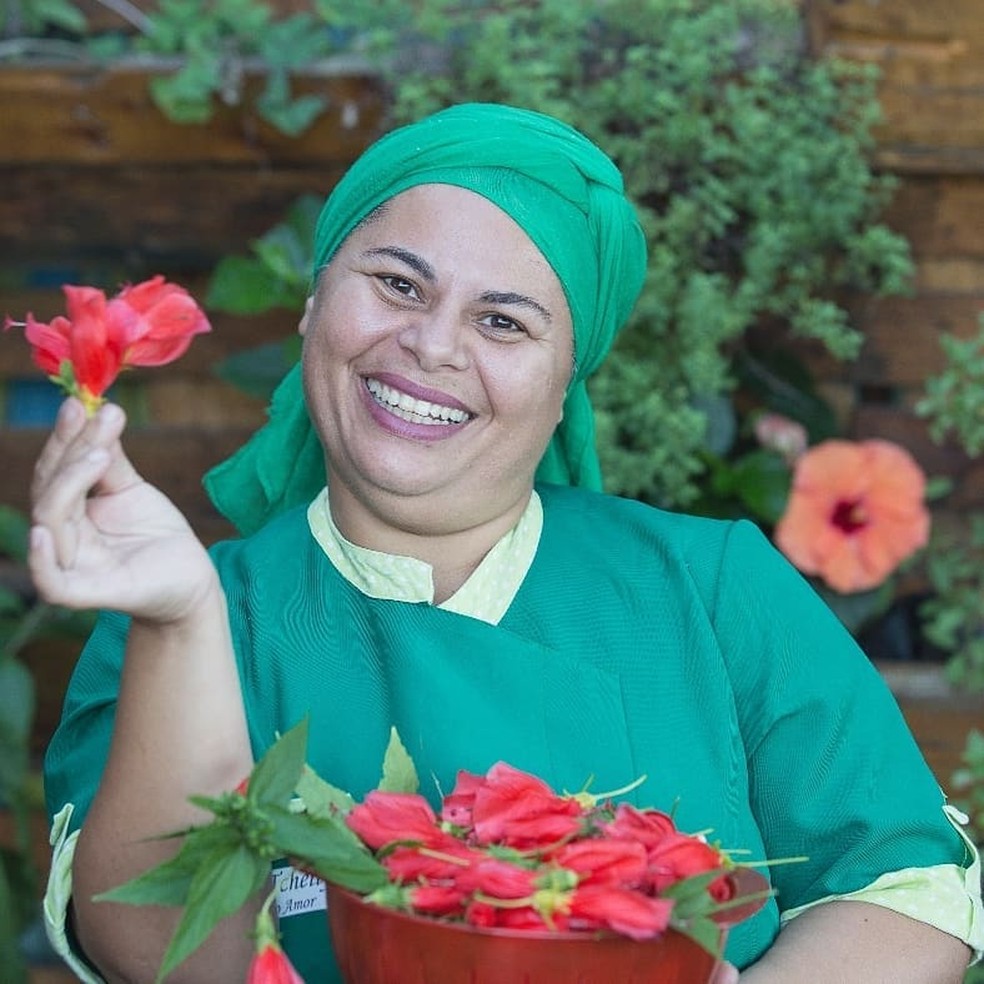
x=509, y=297
x=416, y=263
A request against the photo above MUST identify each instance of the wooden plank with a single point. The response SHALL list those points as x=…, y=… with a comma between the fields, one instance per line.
x=907, y=19
x=173, y=459
x=902, y=336
x=931, y=87
x=140, y=218
x=87, y=114
x=895, y=423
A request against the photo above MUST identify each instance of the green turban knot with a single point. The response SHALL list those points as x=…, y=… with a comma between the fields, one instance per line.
x=566, y=195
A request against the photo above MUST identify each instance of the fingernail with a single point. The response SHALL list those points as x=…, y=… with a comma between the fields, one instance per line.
x=109, y=414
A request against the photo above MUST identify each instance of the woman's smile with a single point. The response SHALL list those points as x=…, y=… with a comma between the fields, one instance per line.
x=436, y=414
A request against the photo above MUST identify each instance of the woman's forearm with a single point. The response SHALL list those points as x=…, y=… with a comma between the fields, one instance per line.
x=859, y=943
x=180, y=729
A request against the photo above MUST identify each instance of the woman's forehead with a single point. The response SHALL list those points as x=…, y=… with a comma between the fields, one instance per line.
x=443, y=223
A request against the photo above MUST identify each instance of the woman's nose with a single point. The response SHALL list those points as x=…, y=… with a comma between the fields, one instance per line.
x=437, y=339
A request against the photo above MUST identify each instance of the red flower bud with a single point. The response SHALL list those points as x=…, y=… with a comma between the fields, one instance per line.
x=271, y=966
x=517, y=809
x=385, y=817
x=618, y=909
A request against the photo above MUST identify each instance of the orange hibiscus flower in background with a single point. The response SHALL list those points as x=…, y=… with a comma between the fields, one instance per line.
x=855, y=512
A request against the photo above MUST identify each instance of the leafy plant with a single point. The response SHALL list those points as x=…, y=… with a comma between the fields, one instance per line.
x=953, y=402
x=749, y=162
x=953, y=616
x=22, y=620
x=276, y=273
x=213, y=48
x=968, y=784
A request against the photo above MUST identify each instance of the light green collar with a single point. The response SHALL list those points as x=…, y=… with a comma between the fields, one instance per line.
x=485, y=595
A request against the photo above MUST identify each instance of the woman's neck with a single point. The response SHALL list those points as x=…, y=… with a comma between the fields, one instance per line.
x=430, y=535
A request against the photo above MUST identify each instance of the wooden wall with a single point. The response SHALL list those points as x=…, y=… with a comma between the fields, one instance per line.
x=931, y=61
x=97, y=187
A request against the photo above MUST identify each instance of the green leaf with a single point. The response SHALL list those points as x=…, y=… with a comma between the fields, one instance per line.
x=322, y=799
x=16, y=697
x=703, y=931
x=221, y=886
x=329, y=849
x=294, y=116
x=169, y=883
x=11, y=960
x=244, y=285
x=258, y=371
x=14, y=526
x=276, y=775
x=399, y=772
x=761, y=480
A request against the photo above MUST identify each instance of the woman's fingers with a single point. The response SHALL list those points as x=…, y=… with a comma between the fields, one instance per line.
x=77, y=459
x=68, y=424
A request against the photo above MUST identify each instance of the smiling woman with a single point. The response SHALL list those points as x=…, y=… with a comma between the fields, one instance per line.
x=434, y=406
x=426, y=547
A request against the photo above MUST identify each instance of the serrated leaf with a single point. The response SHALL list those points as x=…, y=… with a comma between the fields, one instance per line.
x=322, y=799
x=222, y=885
x=329, y=849
x=276, y=775
x=399, y=772
x=170, y=882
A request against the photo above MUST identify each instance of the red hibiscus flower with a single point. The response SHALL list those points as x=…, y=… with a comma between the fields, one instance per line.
x=647, y=827
x=603, y=861
x=161, y=319
x=528, y=917
x=85, y=350
x=144, y=325
x=855, y=512
x=444, y=863
x=498, y=878
x=384, y=818
x=680, y=856
x=621, y=910
x=438, y=900
x=517, y=809
x=270, y=965
x=457, y=805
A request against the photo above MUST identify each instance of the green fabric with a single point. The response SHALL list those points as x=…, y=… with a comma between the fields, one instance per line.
x=559, y=188
x=640, y=643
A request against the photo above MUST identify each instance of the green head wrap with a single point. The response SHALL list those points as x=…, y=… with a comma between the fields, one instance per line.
x=566, y=195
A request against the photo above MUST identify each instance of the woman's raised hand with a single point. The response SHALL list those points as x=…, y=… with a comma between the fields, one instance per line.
x=102, y=537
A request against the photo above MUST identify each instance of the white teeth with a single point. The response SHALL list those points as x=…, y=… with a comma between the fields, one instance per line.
x=407, y=408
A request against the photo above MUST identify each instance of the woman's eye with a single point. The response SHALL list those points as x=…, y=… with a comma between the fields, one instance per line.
x=400, y=285
x=499, y=324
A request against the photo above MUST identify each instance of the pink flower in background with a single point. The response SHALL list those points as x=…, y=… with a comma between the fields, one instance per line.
x=855, y=512
x=778, y=433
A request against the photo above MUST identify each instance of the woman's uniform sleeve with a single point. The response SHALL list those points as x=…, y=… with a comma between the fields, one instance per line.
x=834, y=771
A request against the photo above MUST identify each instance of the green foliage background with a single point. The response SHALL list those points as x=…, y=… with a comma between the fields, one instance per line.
x=749, y=161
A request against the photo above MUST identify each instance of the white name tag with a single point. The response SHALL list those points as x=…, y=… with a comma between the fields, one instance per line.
x=298, y=892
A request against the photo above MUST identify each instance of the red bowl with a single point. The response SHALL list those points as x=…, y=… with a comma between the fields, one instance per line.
x=376, y=945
